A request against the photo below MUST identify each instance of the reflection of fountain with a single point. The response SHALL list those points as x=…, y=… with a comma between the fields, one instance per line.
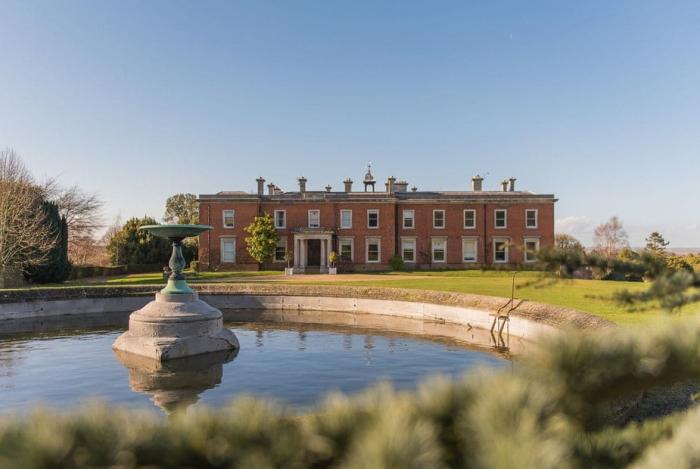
x=175, y=384
x=177, y=324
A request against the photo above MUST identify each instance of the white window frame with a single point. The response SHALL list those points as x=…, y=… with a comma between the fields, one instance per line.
x=537, y=216
x=412, y=218
x=444, y=219
x=505, y=218
x=471, y=239
x=281, y=243
x=409, y=241
x=349, y=241
x=373, y=240
x=348, y=226
x=284, y=219
x=473, y=212
x=501, y=240
x=310, y=211
x=233, y=218
x=432, y=250
x=222, y=240
x=525, y=251
x=373, y=210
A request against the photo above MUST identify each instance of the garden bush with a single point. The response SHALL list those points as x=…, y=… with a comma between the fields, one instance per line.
x=556, y=409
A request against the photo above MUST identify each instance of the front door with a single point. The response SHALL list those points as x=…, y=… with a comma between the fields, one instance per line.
x=314, y=252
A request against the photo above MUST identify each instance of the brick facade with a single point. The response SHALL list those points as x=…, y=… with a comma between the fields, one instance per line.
x=434, y=247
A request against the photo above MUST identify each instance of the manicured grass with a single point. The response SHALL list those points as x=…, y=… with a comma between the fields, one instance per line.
x=592, y=296
x=157, y=278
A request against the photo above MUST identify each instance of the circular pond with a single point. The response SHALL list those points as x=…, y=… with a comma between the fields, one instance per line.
x=66, y=362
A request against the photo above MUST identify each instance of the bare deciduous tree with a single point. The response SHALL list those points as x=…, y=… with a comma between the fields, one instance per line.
x=82, y=212
x=610, y=237
x=25, y=237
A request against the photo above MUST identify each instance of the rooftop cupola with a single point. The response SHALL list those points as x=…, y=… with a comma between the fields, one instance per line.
x=369, y=178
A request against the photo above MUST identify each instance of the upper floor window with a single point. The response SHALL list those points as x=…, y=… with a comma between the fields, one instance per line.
x=314, y=218
x=346, y=218
x=228, y=218
x=280, y=218
x=531, y=218
x=373, y=218
x=438, y=218
x=470, y=218
x=500, y=218
x=409, y=217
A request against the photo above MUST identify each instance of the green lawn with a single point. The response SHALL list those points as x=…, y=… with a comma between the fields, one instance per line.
x=157, y=278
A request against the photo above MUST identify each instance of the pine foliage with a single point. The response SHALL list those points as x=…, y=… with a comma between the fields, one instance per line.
x=555, y=409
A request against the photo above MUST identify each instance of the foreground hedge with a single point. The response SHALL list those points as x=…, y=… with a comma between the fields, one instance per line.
x=554, y=409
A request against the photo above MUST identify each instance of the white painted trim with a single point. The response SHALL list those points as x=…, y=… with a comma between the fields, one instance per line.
x=504, y=240
x=475, y=239
x=432, y=249
x=537, y=218
x=537, y=249
x=308, y=224
x=412, y=218
x=349, y=210
x=222, y=239
x=465, y=219
x=342, y=239
x=444, y=218
x=372, y=239
x=373, y=210
x=411, y=239
x=505, y=218
x=233, y=218
x=284, y=225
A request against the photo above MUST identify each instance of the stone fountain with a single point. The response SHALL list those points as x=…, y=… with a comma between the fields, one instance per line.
x=177, y=323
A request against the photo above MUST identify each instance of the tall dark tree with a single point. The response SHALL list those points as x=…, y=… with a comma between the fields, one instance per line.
x=131, y=246
x=656, y=244
x=56, y=266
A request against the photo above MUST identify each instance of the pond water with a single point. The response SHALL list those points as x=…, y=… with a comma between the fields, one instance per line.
x=65, y=365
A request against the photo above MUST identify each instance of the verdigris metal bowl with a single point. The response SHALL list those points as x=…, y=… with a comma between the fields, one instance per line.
x=176, y=231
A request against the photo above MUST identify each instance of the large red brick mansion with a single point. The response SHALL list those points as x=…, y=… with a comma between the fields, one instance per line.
x=428, y=229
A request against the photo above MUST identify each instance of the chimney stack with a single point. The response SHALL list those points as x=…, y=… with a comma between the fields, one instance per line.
x=328, y=188
x=261, y=185
x=401, y=186
x=504, y=185
x=476, y=183
x=348, y=185
x=271, y=189
x=511, y=184
x=302, y=184
x=390, y=184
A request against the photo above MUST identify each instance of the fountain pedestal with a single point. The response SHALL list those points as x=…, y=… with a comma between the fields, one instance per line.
x=177, y=324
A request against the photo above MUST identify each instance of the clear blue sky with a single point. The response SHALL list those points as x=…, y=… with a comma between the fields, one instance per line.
x=597, y=102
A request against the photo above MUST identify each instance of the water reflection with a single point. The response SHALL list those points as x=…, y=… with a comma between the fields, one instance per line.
x=176, y=384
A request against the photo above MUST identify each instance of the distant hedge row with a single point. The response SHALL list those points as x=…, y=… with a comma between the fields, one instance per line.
x=85, y=271
x=555, y=409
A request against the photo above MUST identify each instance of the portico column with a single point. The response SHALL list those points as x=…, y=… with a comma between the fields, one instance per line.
x=323, y=253
x=303, y=253
x=296, y=252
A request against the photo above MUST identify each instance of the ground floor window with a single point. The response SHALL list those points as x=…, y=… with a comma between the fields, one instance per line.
x=408, y=250
x=532, y=247
x=281, y=250
x=345, y=248
x=469, y=250
x=373, y=250
x=439, y=249
x=228, y=250
x=500, y=250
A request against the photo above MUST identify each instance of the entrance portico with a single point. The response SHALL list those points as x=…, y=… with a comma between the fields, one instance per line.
x=311, y=249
